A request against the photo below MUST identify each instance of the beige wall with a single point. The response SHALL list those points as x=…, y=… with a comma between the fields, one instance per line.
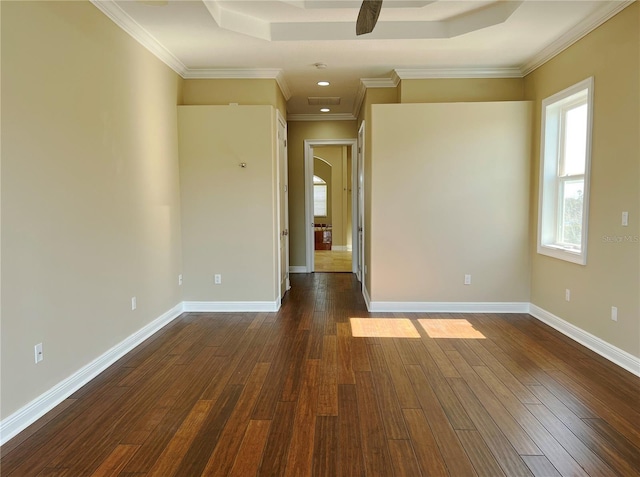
x=298, y=131
x=90, y=191
x=372, y=96
x=450, y=197
x=461, y=90
x=242, y=91
x=611, y=276
x=228, y=212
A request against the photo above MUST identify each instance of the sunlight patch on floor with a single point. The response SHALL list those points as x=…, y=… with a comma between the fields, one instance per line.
x=383, y=328
x=450, y=329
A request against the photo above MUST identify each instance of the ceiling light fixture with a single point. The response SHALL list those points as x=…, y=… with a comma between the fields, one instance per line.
x=325, y=110
x=320, y=66
x=323, y=83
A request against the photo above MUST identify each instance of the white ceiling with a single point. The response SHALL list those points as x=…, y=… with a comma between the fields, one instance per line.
x=413, y=39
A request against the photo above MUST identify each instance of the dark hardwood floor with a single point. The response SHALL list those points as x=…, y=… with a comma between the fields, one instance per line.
x=294, y=393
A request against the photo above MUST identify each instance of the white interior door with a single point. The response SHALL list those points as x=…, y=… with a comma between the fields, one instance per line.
x=283, y=204
x=359, y=250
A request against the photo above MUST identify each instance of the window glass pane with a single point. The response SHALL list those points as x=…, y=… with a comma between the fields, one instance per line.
x=575, y=141
x=318, y=180
x=571, y=217
x=320, y=200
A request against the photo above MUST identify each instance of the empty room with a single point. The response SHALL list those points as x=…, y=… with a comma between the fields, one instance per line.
x=320, y=238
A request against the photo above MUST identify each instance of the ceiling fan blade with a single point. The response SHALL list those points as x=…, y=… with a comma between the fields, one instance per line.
x=368, y=16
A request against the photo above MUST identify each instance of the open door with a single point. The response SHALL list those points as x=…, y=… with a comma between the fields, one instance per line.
x=283, y=204
x=358, y=257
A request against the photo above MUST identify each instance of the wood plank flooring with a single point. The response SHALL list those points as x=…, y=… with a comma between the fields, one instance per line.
x=294, y=393
x=332, y=261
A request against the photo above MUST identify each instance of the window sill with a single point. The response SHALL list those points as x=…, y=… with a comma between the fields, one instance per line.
x=562, y=253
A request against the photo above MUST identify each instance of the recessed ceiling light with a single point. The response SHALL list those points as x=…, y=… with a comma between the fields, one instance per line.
x=323, y=83
x=320, y=66
x=325, y=110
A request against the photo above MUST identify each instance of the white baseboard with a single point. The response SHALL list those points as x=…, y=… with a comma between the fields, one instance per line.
x=448, y=307
x=28, y=414
x=365, y=294
x=615, y=355
x=298, y=269
x=230, y=306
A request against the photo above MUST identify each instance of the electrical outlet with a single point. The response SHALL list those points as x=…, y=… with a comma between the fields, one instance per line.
x=614, y=313
x=180, y=279
x=625, y=219
x=134, y=303
x=567, y=295
x=217, y=279
x=467, y=279
x=38, y=352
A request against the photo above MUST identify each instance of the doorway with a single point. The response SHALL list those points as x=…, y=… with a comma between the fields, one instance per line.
x=331, y=205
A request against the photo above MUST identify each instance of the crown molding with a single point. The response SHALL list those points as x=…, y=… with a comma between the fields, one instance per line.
x=357, y=101
x=586, y=26
x=365, y=83
x=380, y=82
x=321, y=117
x=112, y=10
x=284, y=86
x=432, y=73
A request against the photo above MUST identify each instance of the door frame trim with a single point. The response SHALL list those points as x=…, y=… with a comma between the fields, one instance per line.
x=358, y=202
x=308, y=192
x=283, y=222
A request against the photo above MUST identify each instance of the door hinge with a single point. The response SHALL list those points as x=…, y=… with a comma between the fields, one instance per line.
x=285, y=143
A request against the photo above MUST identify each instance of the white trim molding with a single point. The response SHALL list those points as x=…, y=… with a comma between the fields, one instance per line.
x=284, y=86
x=586, y=26
x=597, y=345
x=121, y=18
x=309, y=144
x=37, y=408
x=365, y=295
x=448, y=307
x=474, y=72
x=230, y=306
x=297, y=269
x=365, y=83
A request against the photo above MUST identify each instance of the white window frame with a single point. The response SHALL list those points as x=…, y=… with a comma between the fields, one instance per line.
x=551, y=154
x=322, y=184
